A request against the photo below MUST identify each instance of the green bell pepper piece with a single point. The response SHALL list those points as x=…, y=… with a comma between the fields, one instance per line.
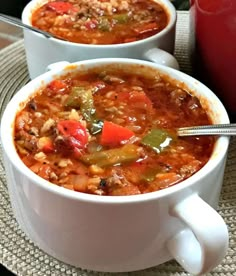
x=121, y=18
x=158, y=139
x=104, y=25
x=150, y=174
x=105, y=158
x=82, y=98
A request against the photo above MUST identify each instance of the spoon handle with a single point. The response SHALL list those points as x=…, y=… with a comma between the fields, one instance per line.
x=217, y=129
x=17, y=22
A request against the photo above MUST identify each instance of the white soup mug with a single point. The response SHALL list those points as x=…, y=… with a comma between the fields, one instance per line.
x=122, y=233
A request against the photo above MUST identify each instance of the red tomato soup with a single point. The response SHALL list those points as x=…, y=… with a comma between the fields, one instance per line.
x=112, y=132
x=101, y=22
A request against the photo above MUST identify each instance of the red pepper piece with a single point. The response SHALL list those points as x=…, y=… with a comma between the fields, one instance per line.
x=114, y=135
x=75, y=131
x=57, y=86
x=61, y=7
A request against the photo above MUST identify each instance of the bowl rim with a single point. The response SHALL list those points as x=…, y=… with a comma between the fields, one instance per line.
x=219, y=152
x=26, y=19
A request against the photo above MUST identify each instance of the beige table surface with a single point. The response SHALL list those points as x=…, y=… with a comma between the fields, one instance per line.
x=22, y=257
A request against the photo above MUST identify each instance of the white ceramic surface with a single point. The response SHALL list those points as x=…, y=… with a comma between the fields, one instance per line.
x=41, y=51
x=123, y=233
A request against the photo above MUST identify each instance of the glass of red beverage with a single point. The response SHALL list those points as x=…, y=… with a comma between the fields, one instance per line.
x=213, y=47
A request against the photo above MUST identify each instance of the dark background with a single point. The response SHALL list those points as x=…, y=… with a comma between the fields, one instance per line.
x=5, y=272
x=13, y=7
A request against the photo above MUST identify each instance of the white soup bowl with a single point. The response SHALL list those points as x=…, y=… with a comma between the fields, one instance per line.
x=122, y=233
x=42, y=51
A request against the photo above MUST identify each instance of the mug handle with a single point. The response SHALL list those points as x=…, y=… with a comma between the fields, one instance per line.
x=162, y=57
x=202, y=246
x=56, y=65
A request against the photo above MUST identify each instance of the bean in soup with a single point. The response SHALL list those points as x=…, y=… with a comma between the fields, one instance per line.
x=110, y=131
x=101, y=22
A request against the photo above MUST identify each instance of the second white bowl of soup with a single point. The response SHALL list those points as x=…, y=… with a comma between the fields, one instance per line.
x=96, y=29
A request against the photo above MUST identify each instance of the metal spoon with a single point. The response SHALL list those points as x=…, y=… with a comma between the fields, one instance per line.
x=17, y=22
x=217, y=129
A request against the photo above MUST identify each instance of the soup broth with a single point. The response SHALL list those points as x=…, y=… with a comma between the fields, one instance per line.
x=101, y=22
x=109, y=131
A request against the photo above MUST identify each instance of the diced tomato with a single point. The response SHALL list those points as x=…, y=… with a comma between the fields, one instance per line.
x=91, y=24
x=75, y=131
x=133, y=97
x=48, y=148
x=57, y=86
x=46, y=144
x=114, y=135
x=67, y=147
x=140, y=96
x=61, y=7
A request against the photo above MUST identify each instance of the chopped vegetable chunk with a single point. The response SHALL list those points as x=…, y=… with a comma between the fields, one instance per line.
x=115, y=135
x=74, y=129
x=115, y=156
x=157, y=139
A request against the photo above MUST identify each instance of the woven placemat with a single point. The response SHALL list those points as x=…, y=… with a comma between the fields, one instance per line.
x=22, y=257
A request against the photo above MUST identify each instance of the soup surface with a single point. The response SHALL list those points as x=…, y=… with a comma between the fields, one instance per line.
x=99, y=21
x=112, y=132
